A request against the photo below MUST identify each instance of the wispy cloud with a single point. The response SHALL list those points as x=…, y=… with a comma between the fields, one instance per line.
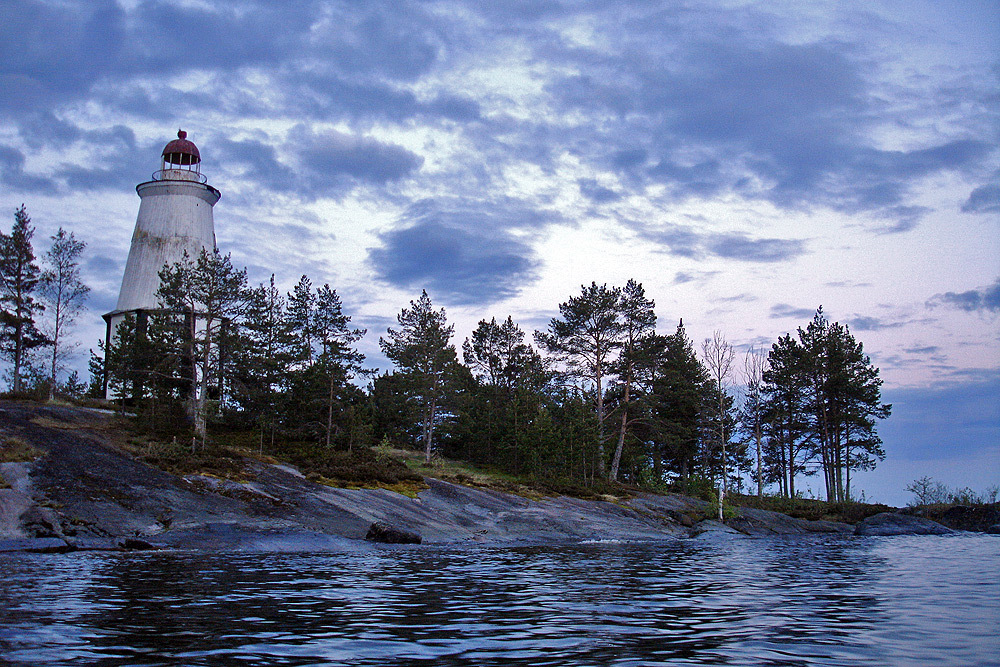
x=983, y=299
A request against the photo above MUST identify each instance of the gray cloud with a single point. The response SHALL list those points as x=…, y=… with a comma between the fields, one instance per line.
x=12, y=173
x=984, y=199
x=782, y=122
x=465, y=255
x=926, y=349
x=743, y=248
x=598, y=194
x=868, y=323
x=984, y=299
x=686, y=277
x=684, y=241
x=784, y=310
x=331, y=162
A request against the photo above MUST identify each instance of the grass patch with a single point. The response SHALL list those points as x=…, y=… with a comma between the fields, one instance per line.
x=812, y=510
x=361, y=467
x=16, y=450
x=526, y=486
x=178, y=458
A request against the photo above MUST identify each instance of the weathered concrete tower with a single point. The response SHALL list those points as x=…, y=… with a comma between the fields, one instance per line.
x=175, y=216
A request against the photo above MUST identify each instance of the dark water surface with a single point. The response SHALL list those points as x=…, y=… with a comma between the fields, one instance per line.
x=805, y=601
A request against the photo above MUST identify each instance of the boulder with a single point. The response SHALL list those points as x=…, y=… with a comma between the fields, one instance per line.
x=711, y=529
x=893, y=523
x=135, y=544
x=994, y=530
x=386, y=534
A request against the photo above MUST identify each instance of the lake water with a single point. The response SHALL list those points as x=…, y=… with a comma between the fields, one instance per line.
x=793, y=601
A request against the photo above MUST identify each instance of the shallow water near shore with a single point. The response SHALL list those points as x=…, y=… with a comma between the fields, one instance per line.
x=830, y=600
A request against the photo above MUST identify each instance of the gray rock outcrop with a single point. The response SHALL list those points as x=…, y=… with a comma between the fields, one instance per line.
x=897, y=523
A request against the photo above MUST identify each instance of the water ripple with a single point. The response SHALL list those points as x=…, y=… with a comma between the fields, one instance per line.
x=823, y=601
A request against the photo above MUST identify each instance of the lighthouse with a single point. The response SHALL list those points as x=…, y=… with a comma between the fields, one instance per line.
x=175, y=217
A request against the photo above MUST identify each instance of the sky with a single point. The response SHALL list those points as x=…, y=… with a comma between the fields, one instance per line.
x=746, y=162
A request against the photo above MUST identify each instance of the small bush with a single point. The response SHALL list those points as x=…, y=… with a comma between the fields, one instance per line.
x=812, y=510
x=697, y=487
x=361, y=465
x=179, y=459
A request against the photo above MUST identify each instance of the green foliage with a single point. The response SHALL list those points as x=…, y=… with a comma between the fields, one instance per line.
x=19, y=278
x=729, y=511
x=287, y=367
x=811, y=509
x=695, y=486
x=823, y=401
x=427, y=364
x=360, y=466
x=928, y=492
x=185, y=458
x=584, y=339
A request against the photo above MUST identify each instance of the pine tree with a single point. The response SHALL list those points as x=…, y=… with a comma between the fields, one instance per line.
x=300, y=313
x=844, y=402
x=426, y=360
x=340, y=361
x=586, y=339
x=786, y=427
x=509, y=378
x=638, y=324
x=680, y=394
x=19, y=277
x=262, y=359
x=210, y=294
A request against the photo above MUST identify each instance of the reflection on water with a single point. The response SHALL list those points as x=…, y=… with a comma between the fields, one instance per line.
x=825, y=601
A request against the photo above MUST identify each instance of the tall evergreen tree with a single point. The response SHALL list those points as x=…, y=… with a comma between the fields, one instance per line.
x=638, y=324
x=339, y=360
x=786, y=427
x=19, y=276
x=586, y=339
x=844, y=402
x=211, y=294
x=300, y=312
x=65, y=293
x=679, y=390
x=510, y=377
x=427, y=362
x=262, y=359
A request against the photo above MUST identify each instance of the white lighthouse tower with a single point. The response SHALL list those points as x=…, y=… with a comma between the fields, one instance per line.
x=175, y=216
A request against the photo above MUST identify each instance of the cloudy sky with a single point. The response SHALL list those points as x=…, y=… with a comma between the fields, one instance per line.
x=746, y=162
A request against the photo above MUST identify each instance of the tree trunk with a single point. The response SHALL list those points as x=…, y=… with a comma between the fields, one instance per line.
x=329, y=412
x=600, y=424
x=18, y=353
x=429, y=431
x=760, y=474
x=848, y=465
x=616, y=460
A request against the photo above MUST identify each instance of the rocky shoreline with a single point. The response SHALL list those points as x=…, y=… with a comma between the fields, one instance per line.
x=87, y=494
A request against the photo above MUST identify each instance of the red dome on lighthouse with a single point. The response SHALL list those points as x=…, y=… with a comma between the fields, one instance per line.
x=180, y=151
